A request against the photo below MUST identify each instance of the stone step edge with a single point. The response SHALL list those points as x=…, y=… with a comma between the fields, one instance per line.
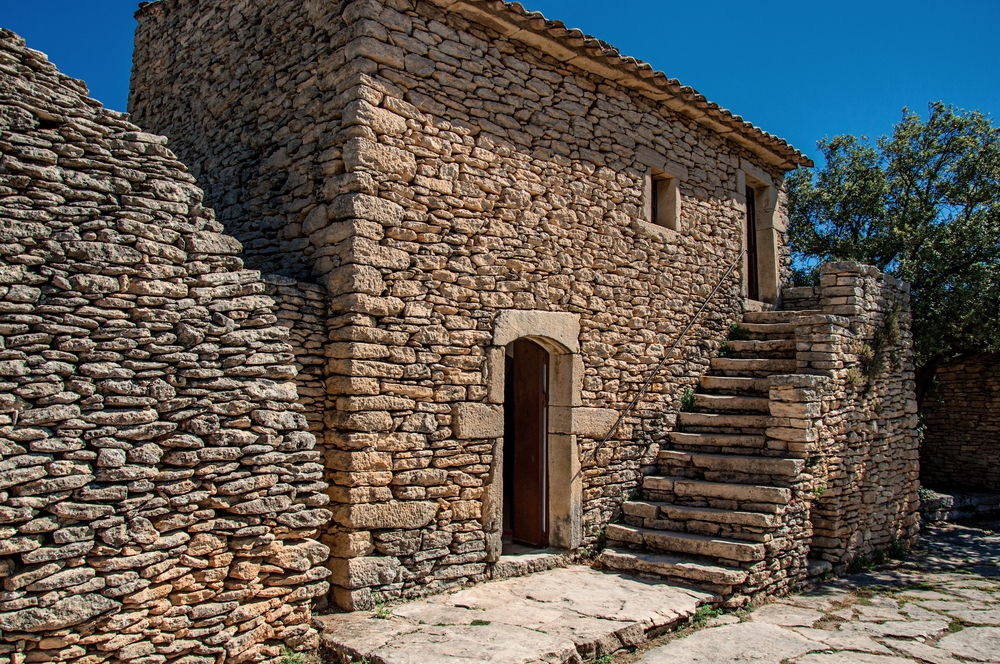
x=671, y=566
x=687, y=543
x=781, y=466
x=707, y=489
x=708, y=514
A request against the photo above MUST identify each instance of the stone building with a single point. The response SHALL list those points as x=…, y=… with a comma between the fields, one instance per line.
x=501, y=226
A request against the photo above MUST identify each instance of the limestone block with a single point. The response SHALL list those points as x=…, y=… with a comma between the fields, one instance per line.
x=365, y=251
x=64, y=613
x=588, y=422
x=383, y=516
x=103, y=252
x=380, y=52
x=796, y=410
x=353, y=600
x=363, y=206
x=353, y=544
x=362, y=154
x=563, y=328
x=473, y=420
x=205, y=242
x=361, y=303
x=299, y=557
x=369, y=421
x=328, y=237
x=421, y=477
x=380, y=120
x=363, y=572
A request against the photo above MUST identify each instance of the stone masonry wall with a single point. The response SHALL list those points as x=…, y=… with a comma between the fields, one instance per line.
x=961, y=415
x=434, y=174
x=160, y=498
x=854, y=417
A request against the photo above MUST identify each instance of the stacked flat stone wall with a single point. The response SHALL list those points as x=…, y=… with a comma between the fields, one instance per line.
x=853, y=415
x=435, y=175
x=160, y=497
x=961, y=416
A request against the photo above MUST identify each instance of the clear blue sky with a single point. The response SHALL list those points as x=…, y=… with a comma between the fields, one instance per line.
x=801, y=69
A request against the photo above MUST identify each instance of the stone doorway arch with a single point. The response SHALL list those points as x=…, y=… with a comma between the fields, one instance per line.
x=559, y=334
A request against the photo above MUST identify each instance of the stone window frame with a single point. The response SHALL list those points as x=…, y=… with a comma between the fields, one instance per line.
x=661, y=169
x=662, y=200
x=769, y=229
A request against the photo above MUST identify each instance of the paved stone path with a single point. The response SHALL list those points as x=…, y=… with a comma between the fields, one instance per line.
x=567, y=615
x=940, y=607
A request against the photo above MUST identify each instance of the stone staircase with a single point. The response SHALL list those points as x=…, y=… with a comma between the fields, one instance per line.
x=723, y=512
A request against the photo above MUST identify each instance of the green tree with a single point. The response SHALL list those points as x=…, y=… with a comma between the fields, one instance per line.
x=922, y=205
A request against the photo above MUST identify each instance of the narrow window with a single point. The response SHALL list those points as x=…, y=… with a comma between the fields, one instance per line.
x=665, y=201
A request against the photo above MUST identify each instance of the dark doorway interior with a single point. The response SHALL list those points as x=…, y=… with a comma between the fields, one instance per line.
x=525, y=481
x=753, y=282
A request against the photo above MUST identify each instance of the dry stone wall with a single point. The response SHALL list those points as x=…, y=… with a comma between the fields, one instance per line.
x=433, y=173
x=852, y=412
x=160, y=497
x=961, y=415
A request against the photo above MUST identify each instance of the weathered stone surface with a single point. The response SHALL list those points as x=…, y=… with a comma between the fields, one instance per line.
x=64, y=613
x=379, y=516
x=151, y=441
x=476, y=420
x=735, y=643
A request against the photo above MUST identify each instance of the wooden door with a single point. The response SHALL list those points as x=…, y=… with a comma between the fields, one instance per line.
x=529, y=493
x=753, y=287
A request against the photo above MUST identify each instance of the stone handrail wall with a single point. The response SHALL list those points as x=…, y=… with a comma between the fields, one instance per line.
x=857, y=426
x=160, y=497
x=961, y=414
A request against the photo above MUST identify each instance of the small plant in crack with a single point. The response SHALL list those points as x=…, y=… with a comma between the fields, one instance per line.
x=689, y=401
x=738, y=333
x=703, y=615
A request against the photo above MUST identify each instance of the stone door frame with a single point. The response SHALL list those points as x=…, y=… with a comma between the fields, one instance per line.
x=559, y=334
x=769, y=229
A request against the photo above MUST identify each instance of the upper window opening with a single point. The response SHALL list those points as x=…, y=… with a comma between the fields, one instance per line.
x=665, y=201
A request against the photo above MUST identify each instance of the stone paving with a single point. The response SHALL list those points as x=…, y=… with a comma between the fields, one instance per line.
x=570, y=614
x=940, y=607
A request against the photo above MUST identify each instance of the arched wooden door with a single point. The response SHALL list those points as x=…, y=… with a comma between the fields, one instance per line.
x=526, y=444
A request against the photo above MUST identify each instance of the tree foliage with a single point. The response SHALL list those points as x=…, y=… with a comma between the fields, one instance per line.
x=922, y=205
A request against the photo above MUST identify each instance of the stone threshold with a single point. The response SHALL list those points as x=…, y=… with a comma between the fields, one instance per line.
x=562, y=615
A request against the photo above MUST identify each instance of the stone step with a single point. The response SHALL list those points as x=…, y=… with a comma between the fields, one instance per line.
x=734, y=366
x=776, y=316
x=742, y=493
x=737, y=384
x=765, y=346
x=724, y=402
x=770, y=330
x=697, y=545
x=734, y=463
x=671, y=566
x=717, y=440
x=644, y=509
x=724, y=421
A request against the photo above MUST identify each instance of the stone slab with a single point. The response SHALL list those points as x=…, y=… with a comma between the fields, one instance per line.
x=559, y=615
x=744, y=643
